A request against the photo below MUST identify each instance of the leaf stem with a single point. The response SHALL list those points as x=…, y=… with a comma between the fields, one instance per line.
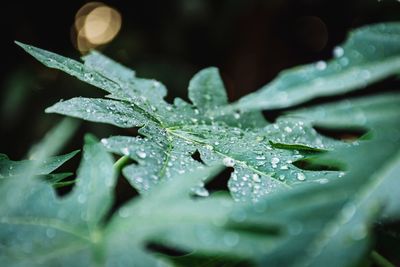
x=379, y=260
x=120, y=163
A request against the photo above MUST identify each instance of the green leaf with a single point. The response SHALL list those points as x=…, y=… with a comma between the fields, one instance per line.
x=370, y=54
x=365, y=112
x=172, y=133
x=207, y=90
x=326, y=219
x=40, y=229
x=100, y=110
x=9, y=168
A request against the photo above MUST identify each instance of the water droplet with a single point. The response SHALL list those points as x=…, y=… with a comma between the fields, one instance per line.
x=88, y=76
x=321, y=65
x=125, y=151
x=104, y=141
x=141, y=154
x=365, y=74
x=256, y=178
x=288, y=129
x=236, y=115
x=81, y=198
x=231, y=239
x=123, y=212
x=228, y=162
x=50, y=232
x=359, y=232
x=323, y=181
x=200, y=191
x=274, y=160
x=344, y=61
x=138, y=179
x=338, y=51
x=260, y=157
x=209, y=147
x=347, y=212
x=301, y=176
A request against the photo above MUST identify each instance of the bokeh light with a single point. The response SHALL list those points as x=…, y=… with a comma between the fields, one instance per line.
x=95, y=24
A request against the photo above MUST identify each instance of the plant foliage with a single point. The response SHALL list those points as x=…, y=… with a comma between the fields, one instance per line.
x=279, y=213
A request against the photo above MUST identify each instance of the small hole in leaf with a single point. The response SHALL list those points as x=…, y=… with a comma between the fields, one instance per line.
x=341, y=134
x=207, y=260
x=220, y=182
x=196, y=156
x=311, y=166
x=257, y=229
x=166, y=250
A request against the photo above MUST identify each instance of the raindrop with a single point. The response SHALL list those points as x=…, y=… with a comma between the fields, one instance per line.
x=139, y=179
x=301, y=176
x=338, y=51
x=365, y=74
x=231, y=239
x=123, y=212
x=295, y=228
x=288, y=129
x=236, y=115
x=104, y=141
x=344, y=61
x=347, y=212
x=321, y=65
x=256, y=178
x=50, y=232
x=274, y=161
x=82, y=198
x=200, y=191
x=323, y=181
x=141, y=154
x=359, y=232
x=88, y=76
x=228, y=162
x=125, y=151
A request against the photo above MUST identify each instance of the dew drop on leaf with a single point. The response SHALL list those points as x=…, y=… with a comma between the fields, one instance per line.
x=321, y=65
x=141, y=154
x=300, y=176
x=228, y=162
x=338, y=51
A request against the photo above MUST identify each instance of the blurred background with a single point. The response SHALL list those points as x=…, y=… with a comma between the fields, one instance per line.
x=250, y=41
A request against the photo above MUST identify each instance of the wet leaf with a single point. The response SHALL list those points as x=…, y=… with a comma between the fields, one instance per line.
x=171, y=133
x=10, y=168
x=370, y=54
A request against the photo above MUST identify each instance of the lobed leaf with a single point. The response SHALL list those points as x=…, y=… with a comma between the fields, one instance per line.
x=172, y=133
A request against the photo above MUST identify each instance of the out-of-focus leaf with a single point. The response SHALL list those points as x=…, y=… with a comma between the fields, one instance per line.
x=370, y=54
